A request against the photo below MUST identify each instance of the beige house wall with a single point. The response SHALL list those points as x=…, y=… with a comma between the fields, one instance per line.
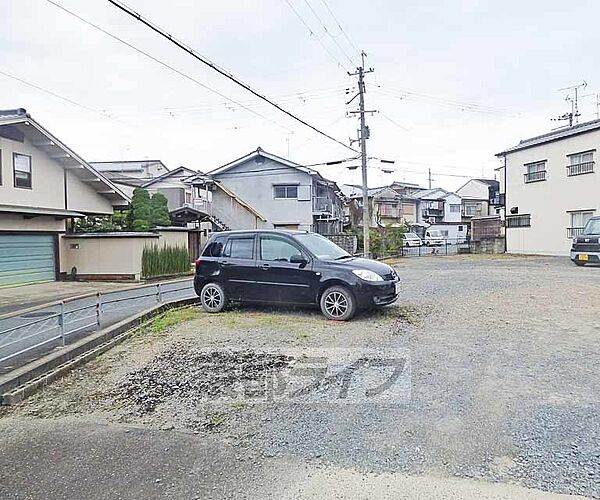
x=47, y=183
x=173, y=238
x=16, y=222
x=82, y=197
x=103, y=256
x=550, y=201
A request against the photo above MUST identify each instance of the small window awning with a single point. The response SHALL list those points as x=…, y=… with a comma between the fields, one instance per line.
x=38, y=211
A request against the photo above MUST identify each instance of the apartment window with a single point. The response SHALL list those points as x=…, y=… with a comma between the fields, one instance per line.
x=578, y=221
x=518, y=220
x=454, y=208
x=536, y=171
x=285, y=192
x=22, y=170
x=581, y=163
x=472, y=209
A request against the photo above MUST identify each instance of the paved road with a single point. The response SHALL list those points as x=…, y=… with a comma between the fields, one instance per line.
x=29, y=329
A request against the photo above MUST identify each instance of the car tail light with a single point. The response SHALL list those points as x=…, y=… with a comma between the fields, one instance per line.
x=196, y=264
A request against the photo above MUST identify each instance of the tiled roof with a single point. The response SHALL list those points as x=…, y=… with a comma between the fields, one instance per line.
x=554, y=136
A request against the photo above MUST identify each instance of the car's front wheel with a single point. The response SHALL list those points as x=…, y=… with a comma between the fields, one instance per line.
x=212, y=298
x=337, y=303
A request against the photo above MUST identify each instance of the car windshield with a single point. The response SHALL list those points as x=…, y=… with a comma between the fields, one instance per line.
x=435, y=233
x=411, y=236
x=592, y=227
x=321, y=247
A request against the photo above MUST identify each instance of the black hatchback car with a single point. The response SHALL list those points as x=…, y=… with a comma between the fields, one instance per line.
x=290, y=267
x=586, y=246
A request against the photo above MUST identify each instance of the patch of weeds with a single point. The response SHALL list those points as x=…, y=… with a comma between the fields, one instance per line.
x=173, y=317
x=214, y=421
x=238, y=405
x=403, y=315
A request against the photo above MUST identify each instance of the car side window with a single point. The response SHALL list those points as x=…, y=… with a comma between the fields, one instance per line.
x=277, y=249
x=239, y=248
x=214, y=248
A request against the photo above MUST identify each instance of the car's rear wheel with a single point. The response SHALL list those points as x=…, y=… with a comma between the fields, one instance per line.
x=212, y=298
x=337, y=303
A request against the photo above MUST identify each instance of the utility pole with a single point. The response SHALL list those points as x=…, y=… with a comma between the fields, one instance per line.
x=429, y=177
x=363, y=135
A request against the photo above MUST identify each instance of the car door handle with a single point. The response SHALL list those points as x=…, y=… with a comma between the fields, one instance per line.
x=224, y=263
x=264, y=267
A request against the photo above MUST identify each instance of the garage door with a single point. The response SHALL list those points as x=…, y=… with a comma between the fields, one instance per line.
x=26, y=259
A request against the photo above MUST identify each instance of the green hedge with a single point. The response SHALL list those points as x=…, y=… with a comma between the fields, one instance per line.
x=166, y=260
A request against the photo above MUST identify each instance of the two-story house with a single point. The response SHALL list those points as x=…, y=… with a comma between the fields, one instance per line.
x=44, y=185
x=480, y=198
x=551, y=187
x=387, y=207
x=441, y=210
x=286, y=194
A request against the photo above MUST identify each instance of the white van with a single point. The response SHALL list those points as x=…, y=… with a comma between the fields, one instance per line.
x=433, y=237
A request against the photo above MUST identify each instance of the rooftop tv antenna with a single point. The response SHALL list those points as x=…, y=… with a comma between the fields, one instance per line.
x=574, y=115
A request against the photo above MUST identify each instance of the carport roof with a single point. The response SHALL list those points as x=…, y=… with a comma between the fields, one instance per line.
x=15, y=209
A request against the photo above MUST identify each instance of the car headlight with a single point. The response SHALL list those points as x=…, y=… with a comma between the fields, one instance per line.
x=365, y=274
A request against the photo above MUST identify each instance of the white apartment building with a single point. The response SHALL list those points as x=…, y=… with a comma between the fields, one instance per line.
x=551, y=188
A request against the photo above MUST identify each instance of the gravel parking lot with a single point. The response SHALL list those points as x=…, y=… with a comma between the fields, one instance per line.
x=502, y=356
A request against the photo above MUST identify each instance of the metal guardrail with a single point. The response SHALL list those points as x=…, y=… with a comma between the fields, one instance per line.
x=56, y=327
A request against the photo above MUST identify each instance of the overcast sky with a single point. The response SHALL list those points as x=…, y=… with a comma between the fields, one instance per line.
x=455, y=81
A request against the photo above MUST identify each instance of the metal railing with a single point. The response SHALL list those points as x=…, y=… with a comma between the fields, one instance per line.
x=322, y=204
x=540, y=175
x=580, y=168
x=59, y=323
x=573, y=232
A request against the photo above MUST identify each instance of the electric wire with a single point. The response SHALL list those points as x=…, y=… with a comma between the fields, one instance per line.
x=164, y=64
x=220, y=70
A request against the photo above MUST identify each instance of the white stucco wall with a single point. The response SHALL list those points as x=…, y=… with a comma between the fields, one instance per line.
x=16, y=222
x=452, y=199
x=550, y=201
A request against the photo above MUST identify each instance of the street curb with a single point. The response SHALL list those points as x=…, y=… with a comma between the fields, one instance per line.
x=87, y=295
x=23, y=382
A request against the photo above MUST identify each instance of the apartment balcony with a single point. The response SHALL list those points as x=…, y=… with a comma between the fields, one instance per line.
x=573, y=232
x=580, y=168
x=538, y=176
x=497, y=199
x=200, y=205
x=322, y=205
x=433, y=212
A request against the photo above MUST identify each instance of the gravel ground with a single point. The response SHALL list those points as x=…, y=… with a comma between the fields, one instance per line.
x=501, y=354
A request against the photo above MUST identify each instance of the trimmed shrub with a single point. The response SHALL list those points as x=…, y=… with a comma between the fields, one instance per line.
x=164, y=261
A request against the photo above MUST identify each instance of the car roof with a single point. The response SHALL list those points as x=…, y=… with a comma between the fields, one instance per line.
x=290, y=232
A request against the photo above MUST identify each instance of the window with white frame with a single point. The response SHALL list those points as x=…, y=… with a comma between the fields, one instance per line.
x=454, y=208
x=579, y=219
x=22, y=170
x=285, y=191
x=535, y=171
x=518, y=220
x=472, y=209
x=581, y=163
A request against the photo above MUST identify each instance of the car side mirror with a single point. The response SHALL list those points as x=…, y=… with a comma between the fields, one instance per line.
x=298, y=259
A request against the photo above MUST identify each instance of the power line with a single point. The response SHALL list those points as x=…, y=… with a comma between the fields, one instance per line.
x=164, y=64
x=318, y=18
x=53, y=94
x=315, y=37
x=340, y=26
x=219, y=70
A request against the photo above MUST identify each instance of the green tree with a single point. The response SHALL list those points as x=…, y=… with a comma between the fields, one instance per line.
x=159, y=210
